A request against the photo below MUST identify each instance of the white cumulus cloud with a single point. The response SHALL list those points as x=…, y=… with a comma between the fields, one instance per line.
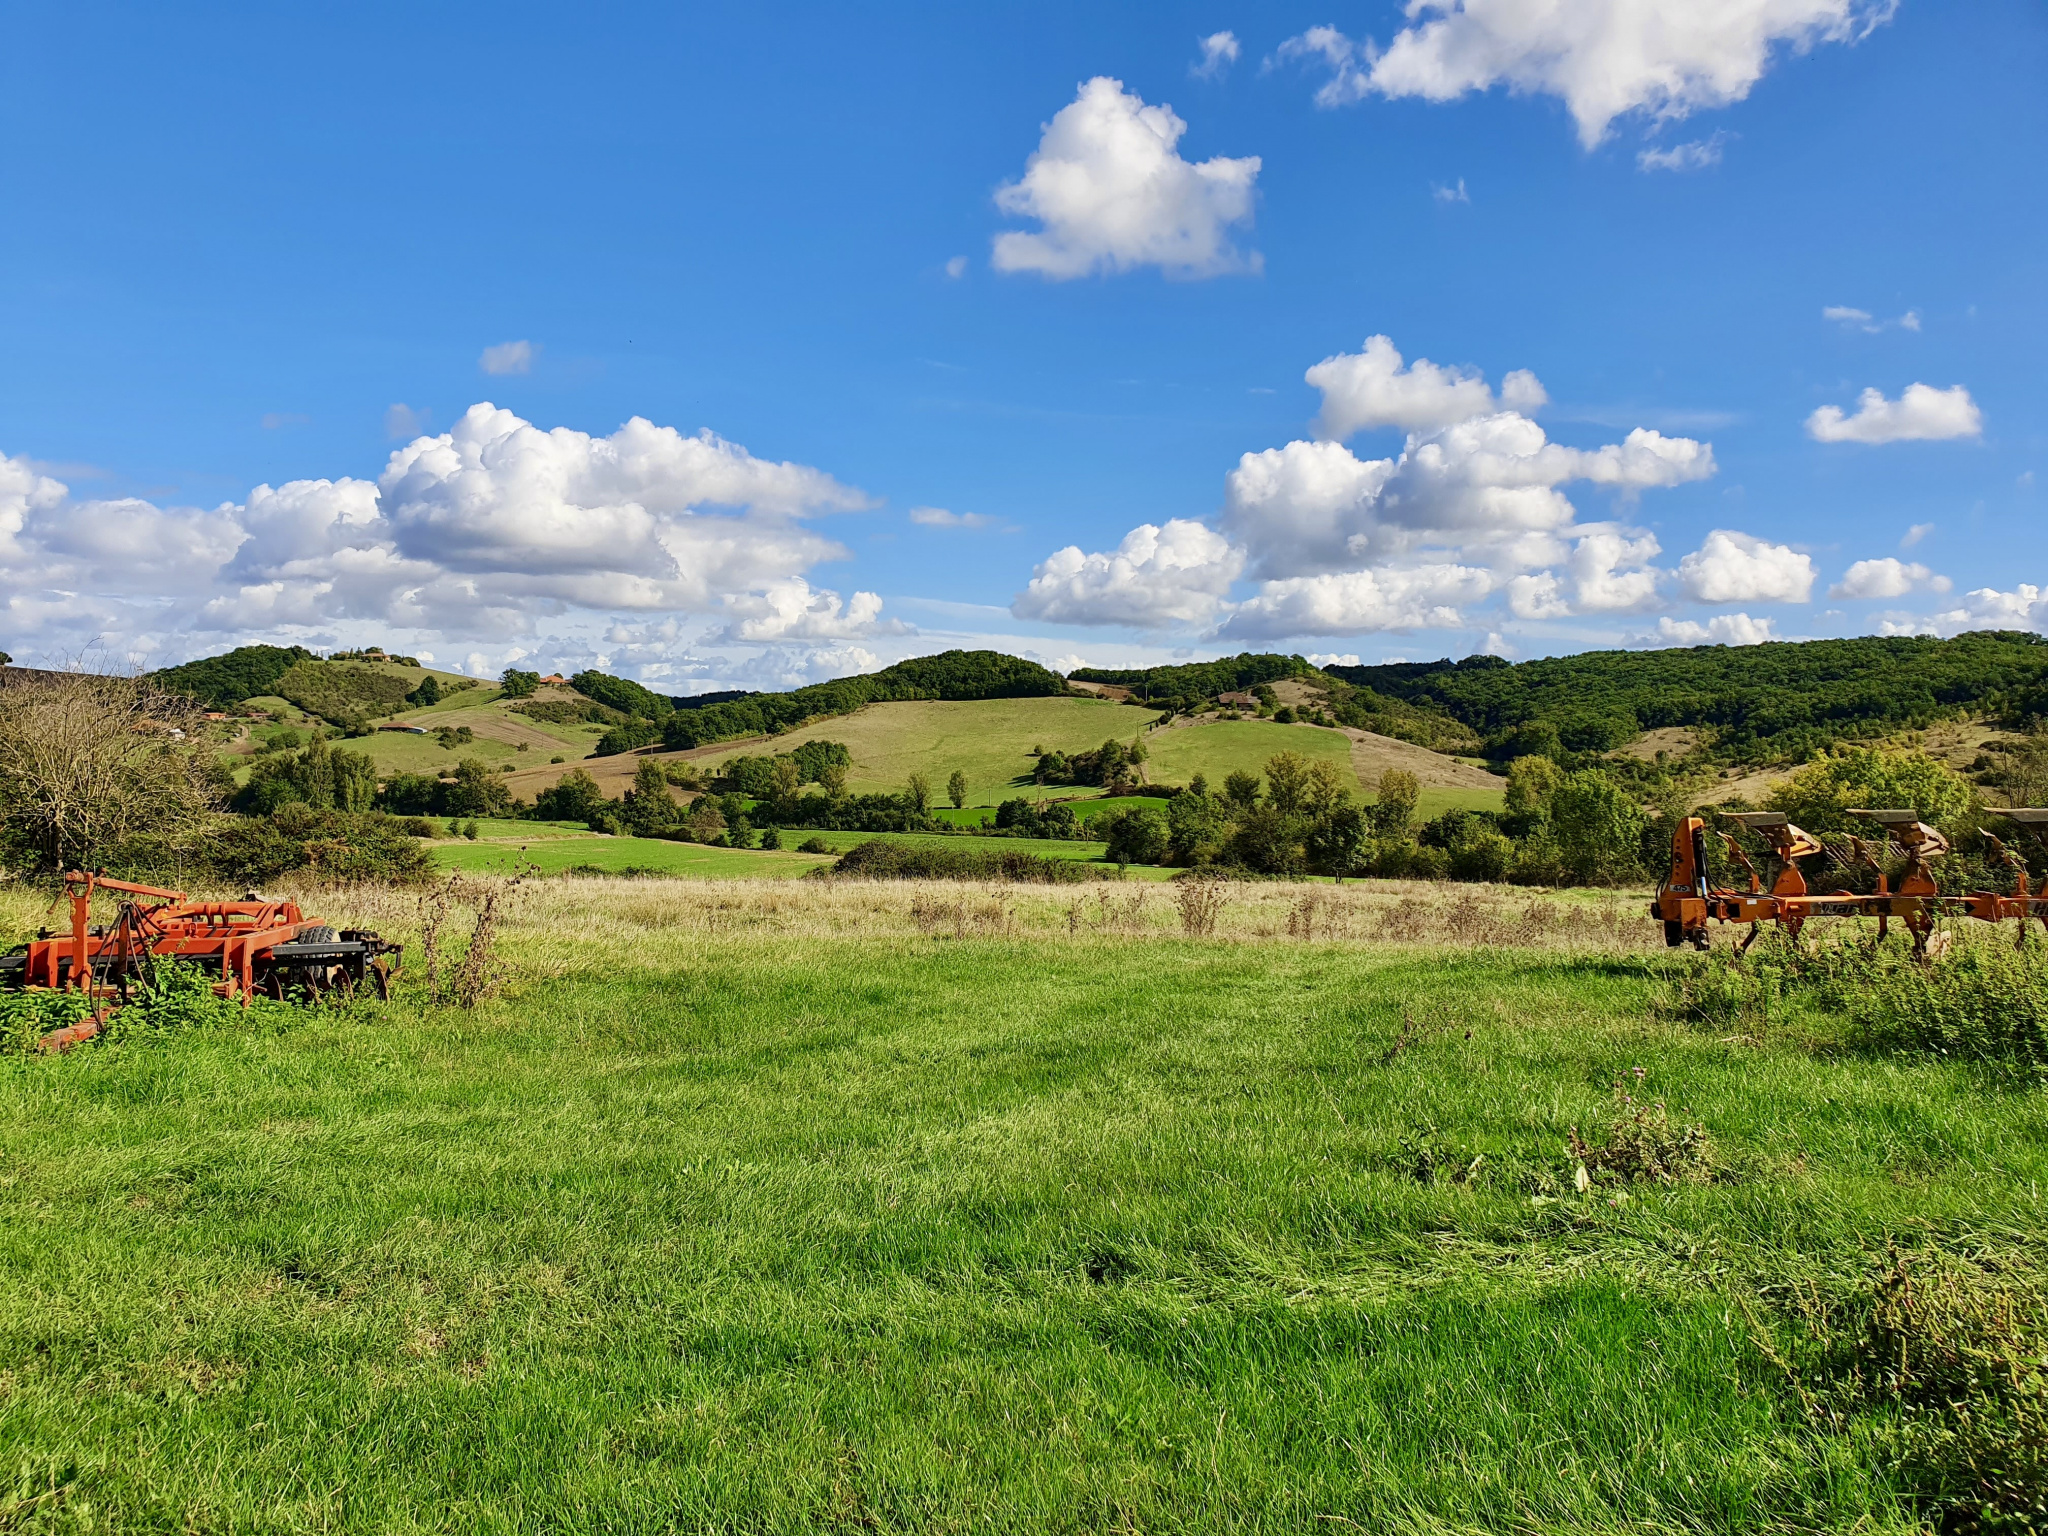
x=1372, y=388
x=1722, y=629
x=1922, y=413
x=2024, y=607
x=479, y=534
x=1603, y=58
x=1110, y=192
x=1359, y=602
x=795, y=610
x=1731, y=567
x=1472, y=508
x=1172, y=576
x=1869, y=579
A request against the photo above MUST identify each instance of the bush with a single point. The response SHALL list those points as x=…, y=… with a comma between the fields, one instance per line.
x=327, y=778
x=1053, y=819
x=814, y=845
x=879, y=860
x=1135, y=836
x=575, y=797
x=1981, y=1001
x=344, y=848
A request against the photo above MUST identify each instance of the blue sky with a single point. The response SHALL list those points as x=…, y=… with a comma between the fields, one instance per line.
x=253, y=248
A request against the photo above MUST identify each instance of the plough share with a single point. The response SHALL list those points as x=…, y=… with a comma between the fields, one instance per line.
x=262, y=948
x=1688, y=900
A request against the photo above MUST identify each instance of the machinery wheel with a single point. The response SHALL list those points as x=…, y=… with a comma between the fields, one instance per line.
x=321, y=935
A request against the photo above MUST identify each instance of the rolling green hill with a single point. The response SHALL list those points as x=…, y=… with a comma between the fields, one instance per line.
x=1755, y=704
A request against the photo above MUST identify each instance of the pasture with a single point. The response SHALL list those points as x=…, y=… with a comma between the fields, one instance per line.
x=832, y=1205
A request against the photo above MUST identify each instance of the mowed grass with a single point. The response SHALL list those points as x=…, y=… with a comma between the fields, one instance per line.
x=555, y=854
x=1221, y=747
x=728, y=1218
x=622, y=855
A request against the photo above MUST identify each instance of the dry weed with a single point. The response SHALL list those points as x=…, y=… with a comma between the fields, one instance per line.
x=1199, y=903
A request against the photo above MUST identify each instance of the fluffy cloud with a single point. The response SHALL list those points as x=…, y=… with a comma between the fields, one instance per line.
x=1176, y=576
x=1220, y=50
x=1731, y=567
x=1722, y=629
x=1472, y=507
x=2025, y=607
x=477, y=534
x=1487, y=484
x=1359, y=602
x=1921, y=414
x=1868, y=579
x=1372, y=389
x=1612, y=572
x=1111, y=192
x=1603, y=58
x=795, y=610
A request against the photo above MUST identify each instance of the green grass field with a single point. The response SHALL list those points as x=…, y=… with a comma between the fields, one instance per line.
x=621, y=855
x=558, y=852
x=989, y=740
x=752, y=1208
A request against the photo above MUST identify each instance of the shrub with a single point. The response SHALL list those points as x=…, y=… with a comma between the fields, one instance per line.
x=814, y=845
x=880, y=860
x=87, y=762
x=1642, y=1144
x=575, y=797
x=337, y=846
x=1135, y=836
x=770, y=839
x=1053, y=819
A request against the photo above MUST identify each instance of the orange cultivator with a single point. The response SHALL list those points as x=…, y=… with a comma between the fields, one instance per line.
x=266, y=948
x=1686, y=900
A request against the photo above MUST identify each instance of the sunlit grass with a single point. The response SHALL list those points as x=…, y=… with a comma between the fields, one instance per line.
x=780, y=1207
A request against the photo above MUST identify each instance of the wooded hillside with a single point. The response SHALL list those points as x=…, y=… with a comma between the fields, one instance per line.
x=1762, y=703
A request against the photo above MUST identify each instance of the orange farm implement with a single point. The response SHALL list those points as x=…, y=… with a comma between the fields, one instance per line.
x=261, y=948
x=1688, y=899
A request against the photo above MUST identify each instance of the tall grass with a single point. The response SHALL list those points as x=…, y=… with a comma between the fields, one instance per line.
x=1980, y=999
